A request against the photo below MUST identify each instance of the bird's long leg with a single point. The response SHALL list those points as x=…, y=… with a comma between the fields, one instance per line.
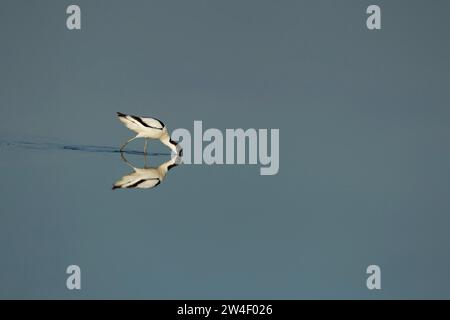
x=145, y=159
x=123, y=146
x=145, y=146
x=126, y=161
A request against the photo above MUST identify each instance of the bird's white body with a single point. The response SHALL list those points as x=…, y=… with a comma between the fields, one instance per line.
x=148, y=128
x=145, y=178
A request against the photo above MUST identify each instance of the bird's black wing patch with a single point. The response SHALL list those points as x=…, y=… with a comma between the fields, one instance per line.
x=158, y=183
x=140, y=121
x=145, y=124
x=160, y=122
x=134, y=185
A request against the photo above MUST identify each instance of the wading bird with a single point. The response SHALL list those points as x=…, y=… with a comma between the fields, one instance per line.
x=148, y=128
x=147, y=177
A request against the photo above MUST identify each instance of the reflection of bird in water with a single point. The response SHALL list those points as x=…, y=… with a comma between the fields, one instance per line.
x=148, y=128
x=147, y=177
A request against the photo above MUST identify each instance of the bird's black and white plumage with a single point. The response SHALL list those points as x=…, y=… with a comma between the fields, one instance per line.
x=145, y=178
x=148, y=128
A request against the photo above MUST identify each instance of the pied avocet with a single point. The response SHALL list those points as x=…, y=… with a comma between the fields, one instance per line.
x=148, y=128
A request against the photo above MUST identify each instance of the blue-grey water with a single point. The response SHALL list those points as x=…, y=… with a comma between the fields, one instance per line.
x=364, y=173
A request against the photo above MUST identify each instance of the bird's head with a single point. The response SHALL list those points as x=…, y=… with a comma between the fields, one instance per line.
x=173, y=145
x=176, y=147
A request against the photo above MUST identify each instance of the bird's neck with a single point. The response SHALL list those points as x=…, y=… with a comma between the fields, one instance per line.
x=166, y=166
x=168, y=142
